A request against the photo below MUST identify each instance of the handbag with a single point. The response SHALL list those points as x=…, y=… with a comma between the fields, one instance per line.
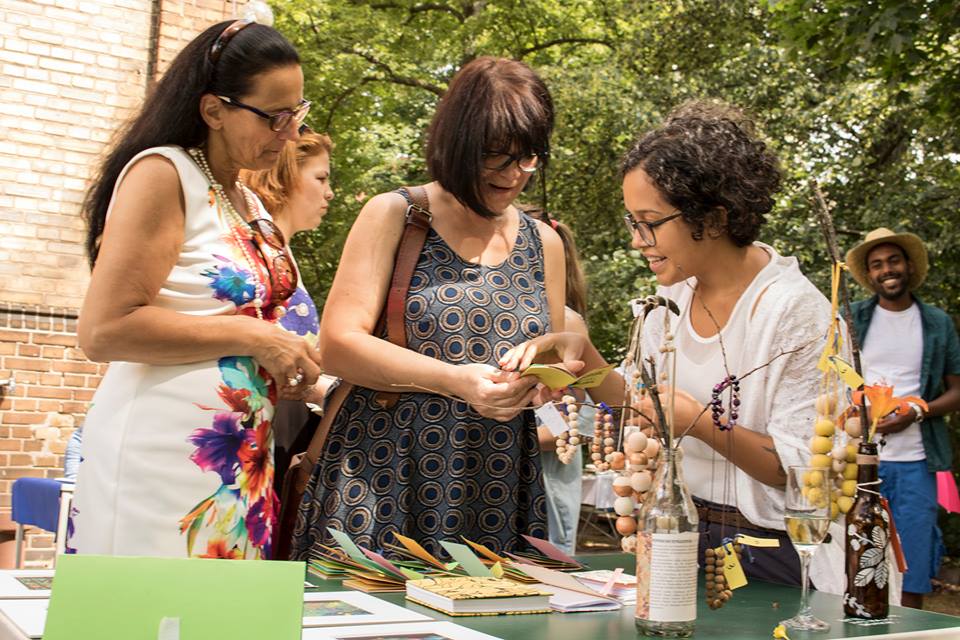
x=391, y=322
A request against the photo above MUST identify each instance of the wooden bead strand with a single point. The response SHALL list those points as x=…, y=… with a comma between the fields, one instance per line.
x=717, y=589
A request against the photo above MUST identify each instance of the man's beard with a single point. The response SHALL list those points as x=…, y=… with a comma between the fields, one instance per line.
x=892, y=294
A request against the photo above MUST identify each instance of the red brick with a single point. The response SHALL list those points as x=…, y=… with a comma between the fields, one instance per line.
x=21, y=460
x=52, y=352
x=23, y=418
x=49, y=405
x=27, y=472
x=10, y=335
x=49, y=392
x=74, y=407
x=83, y=394
x=62, y=339
x=6, y=403
x=74, y=353
x=45, y=460
x=25, y=377
x=24, y=433
x=73, y=380
x=28, y=350
x=51, y=379
x=7, y=349
x=25, y=405
x=11, y=445
x=28, y=364
x=75, y=367
x=32, y=445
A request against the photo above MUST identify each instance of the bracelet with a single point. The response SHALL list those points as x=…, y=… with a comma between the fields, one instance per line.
x=917, y=410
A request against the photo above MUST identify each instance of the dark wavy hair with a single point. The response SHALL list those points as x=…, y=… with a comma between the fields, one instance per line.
x=491, y=103
x=170, y=114
x=707, y=155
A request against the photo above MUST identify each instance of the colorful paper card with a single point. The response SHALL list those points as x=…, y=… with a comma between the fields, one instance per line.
x=485, y=551
x=338, y=608
x=118, y=598
x=26, y=583
x=414, y=547
x=470, y=563
x=348, y=545
x=405, y=631
x=549, y=550
x=556, y=376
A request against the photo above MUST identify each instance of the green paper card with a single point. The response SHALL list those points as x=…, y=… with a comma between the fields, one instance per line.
x=556, y=376
x=470, y=563
x=119, y=598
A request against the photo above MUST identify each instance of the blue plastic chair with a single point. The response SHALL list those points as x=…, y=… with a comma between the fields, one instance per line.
x=36, y=502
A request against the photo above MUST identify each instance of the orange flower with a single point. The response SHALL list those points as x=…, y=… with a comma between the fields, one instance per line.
x=218, y=549
x=883, y=403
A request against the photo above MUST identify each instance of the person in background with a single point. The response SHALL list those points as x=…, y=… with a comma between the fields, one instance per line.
x=563, y=483
x=913, y=347
x=697, y=189
x=296, y=193
x=456, y=454
x=72, y=456
x=190, y=279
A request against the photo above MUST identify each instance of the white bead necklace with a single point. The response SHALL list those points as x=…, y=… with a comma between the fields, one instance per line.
x=239, y=222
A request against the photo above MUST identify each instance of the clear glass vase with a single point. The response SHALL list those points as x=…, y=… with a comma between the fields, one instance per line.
x=667, y=546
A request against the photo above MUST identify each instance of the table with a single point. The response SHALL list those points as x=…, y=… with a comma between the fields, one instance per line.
x=750, y=615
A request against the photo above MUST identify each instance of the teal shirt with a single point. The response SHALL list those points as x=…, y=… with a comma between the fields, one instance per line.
x=941, y=357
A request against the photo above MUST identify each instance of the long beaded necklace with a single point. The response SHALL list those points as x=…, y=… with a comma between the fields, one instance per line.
x=238, y=222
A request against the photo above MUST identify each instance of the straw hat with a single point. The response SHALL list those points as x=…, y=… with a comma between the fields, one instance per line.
x=911, y=244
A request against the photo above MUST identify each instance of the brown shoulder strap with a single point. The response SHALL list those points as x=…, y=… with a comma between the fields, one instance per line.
x=414, y=234
x=332, y=406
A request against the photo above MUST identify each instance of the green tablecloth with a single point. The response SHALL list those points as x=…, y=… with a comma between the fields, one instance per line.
x=751, y=614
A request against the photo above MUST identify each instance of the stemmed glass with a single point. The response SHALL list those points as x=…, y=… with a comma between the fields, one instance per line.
x=807, y=517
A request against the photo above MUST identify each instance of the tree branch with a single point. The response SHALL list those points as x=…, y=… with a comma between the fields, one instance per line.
x=553, y=43
x=393, y=77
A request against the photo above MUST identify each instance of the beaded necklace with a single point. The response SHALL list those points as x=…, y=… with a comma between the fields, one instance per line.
x=238, y=222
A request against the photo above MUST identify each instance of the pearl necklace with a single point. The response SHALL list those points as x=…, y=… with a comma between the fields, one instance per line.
x=239, y=222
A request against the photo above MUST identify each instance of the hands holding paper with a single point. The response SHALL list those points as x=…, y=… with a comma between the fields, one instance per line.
x=493, y=393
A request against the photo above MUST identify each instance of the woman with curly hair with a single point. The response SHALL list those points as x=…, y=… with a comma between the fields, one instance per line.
x=697, y=190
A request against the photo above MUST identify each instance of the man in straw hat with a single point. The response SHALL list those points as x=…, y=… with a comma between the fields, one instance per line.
x=914, y=347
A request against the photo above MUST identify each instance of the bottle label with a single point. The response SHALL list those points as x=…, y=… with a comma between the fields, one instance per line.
x=667, y=576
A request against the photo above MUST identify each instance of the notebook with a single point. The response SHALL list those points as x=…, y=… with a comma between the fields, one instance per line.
x=474, y=596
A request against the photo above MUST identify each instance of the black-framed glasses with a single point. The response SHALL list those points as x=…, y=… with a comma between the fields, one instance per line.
x=645, y=229
x=500, y=160
x=278, y=121
x=272, y=246
x=225, y=36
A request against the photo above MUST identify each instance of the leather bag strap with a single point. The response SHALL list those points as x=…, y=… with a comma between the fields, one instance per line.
x=408, y=253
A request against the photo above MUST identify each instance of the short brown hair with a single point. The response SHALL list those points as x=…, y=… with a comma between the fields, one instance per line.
x=273, y=186
x=706, y=155
x=491, y=103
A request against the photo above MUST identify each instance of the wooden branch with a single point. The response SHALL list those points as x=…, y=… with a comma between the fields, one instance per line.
x=829, y=234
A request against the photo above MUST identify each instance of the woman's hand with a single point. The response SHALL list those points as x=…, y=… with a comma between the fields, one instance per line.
x=686, y=412
x=493, y=393
x=565, y=347
x=287, y=357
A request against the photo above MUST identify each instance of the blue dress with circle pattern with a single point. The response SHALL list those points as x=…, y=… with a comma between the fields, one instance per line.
x=431, y=468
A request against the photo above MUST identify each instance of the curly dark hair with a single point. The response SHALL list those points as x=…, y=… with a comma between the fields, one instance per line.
x=708, y=155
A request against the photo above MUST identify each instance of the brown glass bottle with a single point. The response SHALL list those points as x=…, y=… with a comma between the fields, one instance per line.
x=867, y=533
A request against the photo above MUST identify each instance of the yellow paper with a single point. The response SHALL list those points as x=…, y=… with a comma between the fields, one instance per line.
x=556, y=376
x=732, y=570
x=497, y=570
x=757, y=542
x=414, y=547
x=846, y=372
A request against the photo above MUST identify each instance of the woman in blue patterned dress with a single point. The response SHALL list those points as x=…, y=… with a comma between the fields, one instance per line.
x=456, y=455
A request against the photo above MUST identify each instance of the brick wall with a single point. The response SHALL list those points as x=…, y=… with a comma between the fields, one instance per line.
x=71, y=72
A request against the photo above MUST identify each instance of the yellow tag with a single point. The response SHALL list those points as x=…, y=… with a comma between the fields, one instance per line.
x=846, y=372
x=496, y=570
x=757, y=542
x=732, y=570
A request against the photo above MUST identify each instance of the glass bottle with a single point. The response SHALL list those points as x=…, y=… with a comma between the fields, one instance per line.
x=667, y=546
x=865, y=549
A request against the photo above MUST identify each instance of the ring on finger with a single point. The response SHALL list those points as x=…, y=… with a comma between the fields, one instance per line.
x=295, y=380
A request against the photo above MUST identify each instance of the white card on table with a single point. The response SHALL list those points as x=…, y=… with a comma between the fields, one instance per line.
x=25, y=583
x=29, y=615
x=408, y=631
x=340, y=608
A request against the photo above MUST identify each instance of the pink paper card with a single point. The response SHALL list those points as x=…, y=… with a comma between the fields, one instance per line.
x=549, y=550
x=947, y=494
x=383, y=562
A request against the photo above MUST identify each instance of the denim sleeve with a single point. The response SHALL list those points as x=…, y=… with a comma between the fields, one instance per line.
x=71, y=459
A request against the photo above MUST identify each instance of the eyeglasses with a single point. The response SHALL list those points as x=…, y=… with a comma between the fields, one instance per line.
x=278, y=121
x=645, y=229
x=225, y=36
x=272, y=247
x=500, y=160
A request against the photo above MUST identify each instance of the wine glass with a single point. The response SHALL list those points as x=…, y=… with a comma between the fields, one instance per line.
x=807, y=516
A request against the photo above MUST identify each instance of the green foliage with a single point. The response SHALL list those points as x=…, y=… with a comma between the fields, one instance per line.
x=860, y=95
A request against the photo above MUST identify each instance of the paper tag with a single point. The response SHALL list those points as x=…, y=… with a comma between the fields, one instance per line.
x=470, y=563
x=757, y=542
x=895, y=538
x=732, y=570
x=169, y=629
x=607, y=588
x=497, y=570
x=552, y=419
x=846, y=372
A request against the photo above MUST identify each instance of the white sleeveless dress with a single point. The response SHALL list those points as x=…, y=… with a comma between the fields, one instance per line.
x=177, y=461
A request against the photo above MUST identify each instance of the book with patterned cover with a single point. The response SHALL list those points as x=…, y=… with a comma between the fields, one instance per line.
x=473, y=596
